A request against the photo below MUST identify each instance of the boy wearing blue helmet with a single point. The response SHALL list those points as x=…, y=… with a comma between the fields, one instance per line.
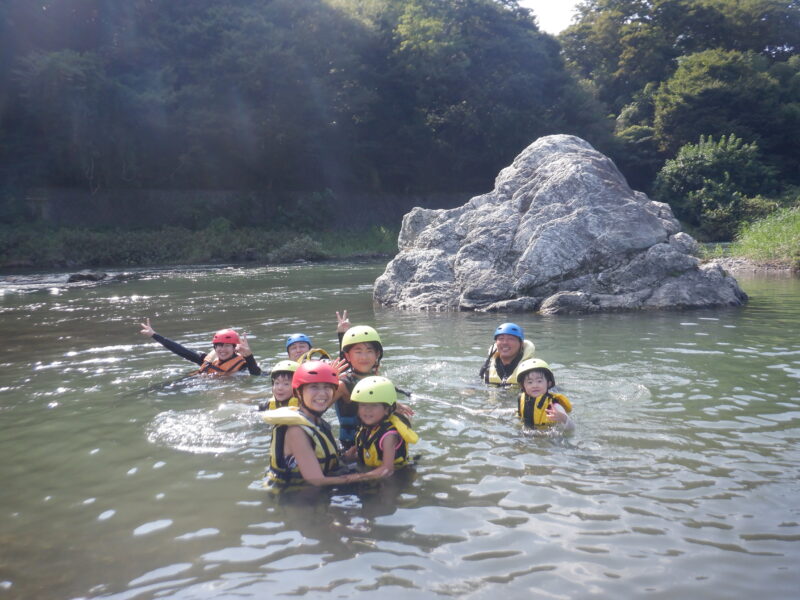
x=508, y=350
x=297, y=344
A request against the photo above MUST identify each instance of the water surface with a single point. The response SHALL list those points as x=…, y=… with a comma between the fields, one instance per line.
x=123, y=479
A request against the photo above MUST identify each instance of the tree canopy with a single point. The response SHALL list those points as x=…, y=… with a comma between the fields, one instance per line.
x=353, y=94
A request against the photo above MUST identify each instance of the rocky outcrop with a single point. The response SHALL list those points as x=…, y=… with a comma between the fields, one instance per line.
x=87, y=276
x=560, y=233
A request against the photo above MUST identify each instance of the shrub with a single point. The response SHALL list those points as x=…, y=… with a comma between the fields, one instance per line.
x=714, y=186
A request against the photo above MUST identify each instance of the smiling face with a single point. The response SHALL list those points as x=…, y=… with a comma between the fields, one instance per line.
x=297, y=350
x=282, y=387
x=317, y=396
x=362, y=357
x=508, y=346
x=372, y=413
x=535, y=383
x=224, y=351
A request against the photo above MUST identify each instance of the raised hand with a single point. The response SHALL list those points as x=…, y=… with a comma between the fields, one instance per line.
x=147, y=329
x=343, y=323
x=243, y=347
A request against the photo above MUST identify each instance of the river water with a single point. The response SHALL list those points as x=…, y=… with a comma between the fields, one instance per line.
x=121, y=479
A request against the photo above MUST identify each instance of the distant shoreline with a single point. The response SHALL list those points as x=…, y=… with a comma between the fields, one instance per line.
x=740, y=266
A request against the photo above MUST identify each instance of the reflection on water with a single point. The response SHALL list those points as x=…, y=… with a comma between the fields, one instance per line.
x=124, y=479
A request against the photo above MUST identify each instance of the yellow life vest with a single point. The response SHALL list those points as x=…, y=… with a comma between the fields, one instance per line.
x=368, y=440
x=273, y=404
x=216, y=367
x=492, y=375
x=280, y=473
x=533, y=411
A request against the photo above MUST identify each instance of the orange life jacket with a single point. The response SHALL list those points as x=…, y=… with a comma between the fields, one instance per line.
x=232, y=365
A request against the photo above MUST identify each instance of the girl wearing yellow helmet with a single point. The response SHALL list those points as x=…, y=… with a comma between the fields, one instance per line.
x=382, y=438
x=538, y=405
x=281, y=375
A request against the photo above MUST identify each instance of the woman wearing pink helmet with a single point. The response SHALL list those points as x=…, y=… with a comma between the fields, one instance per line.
x=303, y=447
x=231, y=353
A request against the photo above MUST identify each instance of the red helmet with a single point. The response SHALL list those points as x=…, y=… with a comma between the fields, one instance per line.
x=226, y=336
x=314, y=371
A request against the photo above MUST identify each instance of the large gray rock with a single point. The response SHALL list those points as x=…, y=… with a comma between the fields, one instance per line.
x=560, y=233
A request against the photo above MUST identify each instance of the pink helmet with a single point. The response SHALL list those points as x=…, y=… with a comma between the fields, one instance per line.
x=314, y=371
x=226, y=336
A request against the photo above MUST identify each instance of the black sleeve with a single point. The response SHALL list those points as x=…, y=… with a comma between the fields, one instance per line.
x=176, y=348
x=340, y=335
x=252, y=366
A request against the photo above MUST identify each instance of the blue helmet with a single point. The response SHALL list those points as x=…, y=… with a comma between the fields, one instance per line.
x=298, y=337
x=510, y=329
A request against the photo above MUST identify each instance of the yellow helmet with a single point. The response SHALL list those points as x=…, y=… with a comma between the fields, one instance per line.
x=531, y=364
x=283, y=366
x=374, y=390
x=359, y=335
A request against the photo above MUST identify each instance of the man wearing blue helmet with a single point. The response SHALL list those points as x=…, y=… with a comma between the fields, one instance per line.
x=297, y=344
x=509, y=349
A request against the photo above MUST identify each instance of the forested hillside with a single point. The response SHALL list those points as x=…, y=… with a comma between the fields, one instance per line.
x=698, y=101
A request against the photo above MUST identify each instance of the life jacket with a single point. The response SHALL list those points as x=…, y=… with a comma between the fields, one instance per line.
x=216, y=367
x=272, y=404
x=347, y=412
x=320, y=435
x=533, y=411
x=368, y=441
x=495, y=372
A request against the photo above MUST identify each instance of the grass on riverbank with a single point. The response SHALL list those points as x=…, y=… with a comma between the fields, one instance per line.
x=39, y=247
x=774, y=239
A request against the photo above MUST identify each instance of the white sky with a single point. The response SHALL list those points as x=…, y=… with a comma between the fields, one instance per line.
x=552, y=15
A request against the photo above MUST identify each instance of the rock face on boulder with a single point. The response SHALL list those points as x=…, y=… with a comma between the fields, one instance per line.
x=560, y=233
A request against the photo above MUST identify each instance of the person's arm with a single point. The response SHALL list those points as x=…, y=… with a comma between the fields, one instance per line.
x=388, y=445
x=176, y=348
x=244, y=350
x=298, y=445
x=556, y=412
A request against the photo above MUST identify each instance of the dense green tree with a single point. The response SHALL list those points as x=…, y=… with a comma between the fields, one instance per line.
x=714, y=185
x=716, y=93
x=621, y=45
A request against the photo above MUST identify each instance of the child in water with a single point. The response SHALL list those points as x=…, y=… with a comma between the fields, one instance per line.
x=383, y=436
x=281, y=376
x=537, y=404
x=231, y=353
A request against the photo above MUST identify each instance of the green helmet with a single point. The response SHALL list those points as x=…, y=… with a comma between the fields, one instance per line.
x=283, y=366
x=531, y=364
x=359, y=335
x=374, y=390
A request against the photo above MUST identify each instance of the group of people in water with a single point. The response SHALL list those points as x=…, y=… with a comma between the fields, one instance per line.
x=374, y=426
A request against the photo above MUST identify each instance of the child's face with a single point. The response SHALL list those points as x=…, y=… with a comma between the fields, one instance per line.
x=297, y=350
x=362, y=357
x=535, y=384
x=317, y=396
x=282, y=387
x=224, y=351
x=372, y=414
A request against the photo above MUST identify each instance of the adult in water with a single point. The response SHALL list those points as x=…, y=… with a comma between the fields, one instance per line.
x=509, y=349
x=297, y=344
x=303, y=447
x=231, y=352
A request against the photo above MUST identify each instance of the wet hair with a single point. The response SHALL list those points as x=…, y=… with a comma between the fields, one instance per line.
x=287, y=374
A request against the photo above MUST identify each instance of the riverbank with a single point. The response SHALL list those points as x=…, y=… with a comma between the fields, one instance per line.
x=32, y=248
